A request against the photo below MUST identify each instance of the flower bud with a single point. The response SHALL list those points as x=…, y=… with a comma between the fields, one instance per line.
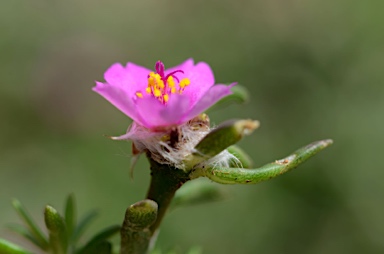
x=225, y=135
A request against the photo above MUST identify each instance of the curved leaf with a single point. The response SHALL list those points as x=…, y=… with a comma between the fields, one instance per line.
x=11, y=248
x=33, y=228
x=266, y=172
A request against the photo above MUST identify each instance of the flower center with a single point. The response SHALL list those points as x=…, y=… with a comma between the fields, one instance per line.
x=161, y=86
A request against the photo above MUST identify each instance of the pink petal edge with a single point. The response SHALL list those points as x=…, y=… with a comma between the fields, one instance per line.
x=202, y=79
x=120, y=99
x=213, y=95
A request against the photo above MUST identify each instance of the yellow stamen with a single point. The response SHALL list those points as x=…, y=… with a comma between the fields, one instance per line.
x=166, y=97
x=184, y=82
x=171, y=82
x=151, y=82
x=160, y=83
x=157, y=78
x=161, y=89
x=157, y=92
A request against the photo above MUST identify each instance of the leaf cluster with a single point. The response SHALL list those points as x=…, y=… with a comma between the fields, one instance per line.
x=63, y=232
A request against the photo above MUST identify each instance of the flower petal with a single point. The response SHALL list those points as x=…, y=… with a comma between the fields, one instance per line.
x=201, y=77
x=117, y=75
x=156, y=114
x=177, y=109
x=138, y=75
x=185, y=66
x=213, y=95
x=131, y=79
x=120, y=99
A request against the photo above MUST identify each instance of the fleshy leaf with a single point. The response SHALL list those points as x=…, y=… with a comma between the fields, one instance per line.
x=266, y=172
x=225, y=135
x=104, y=247
x=11, y=248
x=99, y=240
x=57, y=231
x=197, y=192
x=33, y=228
x=83, y=224
x=21, y=230
x=241, y=155
x=70, y=214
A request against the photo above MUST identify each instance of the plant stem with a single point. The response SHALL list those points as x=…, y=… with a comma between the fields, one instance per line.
x=166, y=180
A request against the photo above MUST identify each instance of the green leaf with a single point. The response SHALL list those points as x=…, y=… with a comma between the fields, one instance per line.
x=11, y=248
x=197, y=192
x=271, y=170
x=70, y=215
x=99, y=239
x=83, y=224
x=34, y=230
x=57, y=232
x=243, y=157
x=24, y=232
x=226, y=134
x=239, y=95
x=101, y=248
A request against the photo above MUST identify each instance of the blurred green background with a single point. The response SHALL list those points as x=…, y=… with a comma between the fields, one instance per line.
x=314, y=70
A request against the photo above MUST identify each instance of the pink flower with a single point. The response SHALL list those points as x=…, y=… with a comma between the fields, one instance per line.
x=164, y=98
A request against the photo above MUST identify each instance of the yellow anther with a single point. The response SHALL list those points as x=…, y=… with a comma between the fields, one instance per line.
x=161, y=89
x=138, y=94
x=156, y=92
x=160, y=84
x=166, y=97
x=157, y=77
x=184, y=82
x=151, y=81
x=170, y=81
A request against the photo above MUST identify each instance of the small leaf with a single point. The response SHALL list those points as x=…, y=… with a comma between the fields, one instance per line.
x=197, y=192
x=83, y=224
x=225, y=135
x=57, y=231
x=99, y=239
x=34, y=230
x=266, y=172
x=70, y=215
x=11, y=248
x=24, y=232
x=239, y=95
x=243, y=157
x=101, y=248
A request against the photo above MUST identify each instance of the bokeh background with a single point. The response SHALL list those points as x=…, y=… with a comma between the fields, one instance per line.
x=314, y=70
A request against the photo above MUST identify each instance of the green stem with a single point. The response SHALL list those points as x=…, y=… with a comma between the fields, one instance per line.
x=166, y=180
